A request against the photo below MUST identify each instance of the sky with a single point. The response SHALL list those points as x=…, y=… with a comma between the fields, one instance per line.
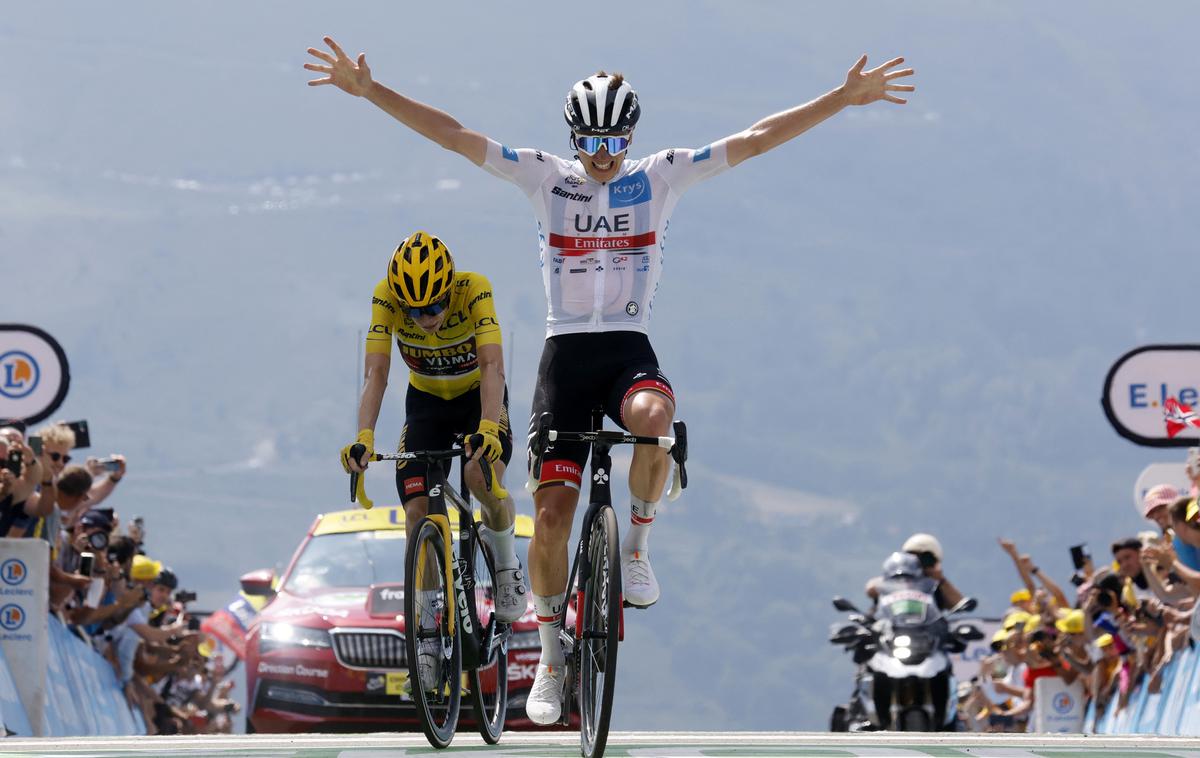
x=899, y=322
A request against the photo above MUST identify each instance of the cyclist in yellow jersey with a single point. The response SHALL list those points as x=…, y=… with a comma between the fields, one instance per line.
x=444, y=323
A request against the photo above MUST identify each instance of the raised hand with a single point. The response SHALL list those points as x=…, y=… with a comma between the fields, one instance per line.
x=864, y=87
x=345, y=74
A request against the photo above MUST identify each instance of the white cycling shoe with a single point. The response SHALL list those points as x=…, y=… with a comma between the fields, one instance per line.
x=637, y=579
x=429, y=664
x=544, y=705
x=511, y=600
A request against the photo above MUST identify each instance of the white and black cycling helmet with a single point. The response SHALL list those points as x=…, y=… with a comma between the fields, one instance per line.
x=602, y=104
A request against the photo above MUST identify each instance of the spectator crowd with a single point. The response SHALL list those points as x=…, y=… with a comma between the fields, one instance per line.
x=1117, y=624
x=104, y=588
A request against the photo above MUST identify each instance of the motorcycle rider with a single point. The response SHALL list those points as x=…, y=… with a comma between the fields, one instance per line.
x=905, y=571
x=928, y=552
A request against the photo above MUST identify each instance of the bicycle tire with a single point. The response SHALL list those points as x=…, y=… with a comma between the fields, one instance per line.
x=489, y=682
x=598, y=646
x=437, y=702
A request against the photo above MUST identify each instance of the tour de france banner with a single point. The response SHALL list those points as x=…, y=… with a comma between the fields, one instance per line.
x=1152, y=395
x=24, y=628
x=34, y=375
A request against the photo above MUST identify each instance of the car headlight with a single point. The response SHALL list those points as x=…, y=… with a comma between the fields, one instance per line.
x=287, y=635
x=902, y=641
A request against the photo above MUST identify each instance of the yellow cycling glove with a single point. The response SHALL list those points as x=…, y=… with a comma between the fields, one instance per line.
x=366, y=438
x=487, y=439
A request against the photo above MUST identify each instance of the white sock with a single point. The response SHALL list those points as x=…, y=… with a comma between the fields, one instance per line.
x=641, y=518
x=549, y=609
x=503, y=545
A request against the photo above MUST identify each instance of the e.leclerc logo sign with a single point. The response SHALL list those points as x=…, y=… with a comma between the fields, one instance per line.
x=34, y=374
x=1141, y=382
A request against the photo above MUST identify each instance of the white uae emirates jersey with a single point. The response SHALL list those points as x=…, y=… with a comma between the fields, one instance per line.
x=601, y=245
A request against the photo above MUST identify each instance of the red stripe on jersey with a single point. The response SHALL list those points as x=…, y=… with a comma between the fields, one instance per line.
x=584, y=245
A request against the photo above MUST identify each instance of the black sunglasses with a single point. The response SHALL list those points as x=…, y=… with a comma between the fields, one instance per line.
x=55, y=457
x=432, y=309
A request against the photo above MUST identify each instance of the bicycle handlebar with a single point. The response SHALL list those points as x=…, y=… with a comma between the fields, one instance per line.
x=358, y=490
x=677, y=446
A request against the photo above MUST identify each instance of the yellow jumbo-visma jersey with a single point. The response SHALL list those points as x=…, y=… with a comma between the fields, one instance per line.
x=445, y=363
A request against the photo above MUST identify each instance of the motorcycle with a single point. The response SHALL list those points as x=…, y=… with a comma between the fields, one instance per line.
x=904, y=679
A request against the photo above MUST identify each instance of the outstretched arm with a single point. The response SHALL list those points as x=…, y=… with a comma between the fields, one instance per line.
x=354, y=77
x=860, y=88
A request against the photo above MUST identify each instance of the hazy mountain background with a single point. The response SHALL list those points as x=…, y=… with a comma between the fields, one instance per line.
x=899, y=322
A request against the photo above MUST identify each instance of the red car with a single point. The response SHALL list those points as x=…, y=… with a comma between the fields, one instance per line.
x=327, y=651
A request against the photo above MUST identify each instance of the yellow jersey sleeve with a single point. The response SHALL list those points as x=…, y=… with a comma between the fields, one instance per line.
x=481, y=310
x=384, y=312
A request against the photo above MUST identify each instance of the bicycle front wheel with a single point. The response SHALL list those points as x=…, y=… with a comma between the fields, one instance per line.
x=434, y=651
x=489, y=682
x=601, y=626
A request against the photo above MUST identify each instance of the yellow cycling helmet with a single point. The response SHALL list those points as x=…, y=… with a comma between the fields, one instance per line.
x=421, y=270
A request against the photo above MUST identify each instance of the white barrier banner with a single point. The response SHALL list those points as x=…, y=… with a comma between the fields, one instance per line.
x=24, y=598
x=1057, y=707
x=966, y=663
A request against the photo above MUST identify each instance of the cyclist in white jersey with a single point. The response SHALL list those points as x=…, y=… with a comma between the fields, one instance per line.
x=602, y=222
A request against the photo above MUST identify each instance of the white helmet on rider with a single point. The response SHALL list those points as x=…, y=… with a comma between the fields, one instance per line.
x=923, y=543
x=602, y=104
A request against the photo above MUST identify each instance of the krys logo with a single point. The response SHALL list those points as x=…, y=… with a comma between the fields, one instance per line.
x=13, y=572
x=12, y=617
x=631, y=190
x=19, y=374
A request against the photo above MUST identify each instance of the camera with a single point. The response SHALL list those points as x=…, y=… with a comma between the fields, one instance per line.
x=13, y=461
x=927, y=559
x=193, y=624
x=1078, y=579
x=1079, y=556
x=111, y=465
x=98, y=540
x=87, y=562
x=185, y=596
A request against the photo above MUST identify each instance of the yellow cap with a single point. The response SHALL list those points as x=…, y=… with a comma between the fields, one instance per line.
x=1104, y=640
x=144, y=569
x=1072, y=623
x=205, y=648
x=1193, y=509
x=1015, y=619
x=1033, y=623
x=1020, y=596
x=1001, y=636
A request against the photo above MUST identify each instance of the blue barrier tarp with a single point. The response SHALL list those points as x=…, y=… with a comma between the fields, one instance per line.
x=12, y=712
x=83, y=696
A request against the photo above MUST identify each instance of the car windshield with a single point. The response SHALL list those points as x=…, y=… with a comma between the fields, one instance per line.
x=352, y=559
x=356, y=559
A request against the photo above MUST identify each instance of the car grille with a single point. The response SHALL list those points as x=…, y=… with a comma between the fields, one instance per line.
x=369, y=648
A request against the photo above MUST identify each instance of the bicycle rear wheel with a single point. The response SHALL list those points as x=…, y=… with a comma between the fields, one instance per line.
x=598, y=648
x=435, y=679
x=489, y=682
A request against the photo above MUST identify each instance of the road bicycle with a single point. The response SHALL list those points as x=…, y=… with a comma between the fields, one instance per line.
x=446, y=584
x=591, y=647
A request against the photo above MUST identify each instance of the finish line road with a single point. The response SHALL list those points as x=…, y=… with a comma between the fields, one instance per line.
x=620, y=745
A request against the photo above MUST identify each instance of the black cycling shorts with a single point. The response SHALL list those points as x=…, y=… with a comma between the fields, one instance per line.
x=431, y=423
x=582, y=372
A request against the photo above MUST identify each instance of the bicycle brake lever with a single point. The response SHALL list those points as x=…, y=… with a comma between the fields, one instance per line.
x=677, y=484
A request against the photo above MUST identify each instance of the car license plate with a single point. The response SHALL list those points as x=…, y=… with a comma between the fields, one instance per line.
x=389, y=683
